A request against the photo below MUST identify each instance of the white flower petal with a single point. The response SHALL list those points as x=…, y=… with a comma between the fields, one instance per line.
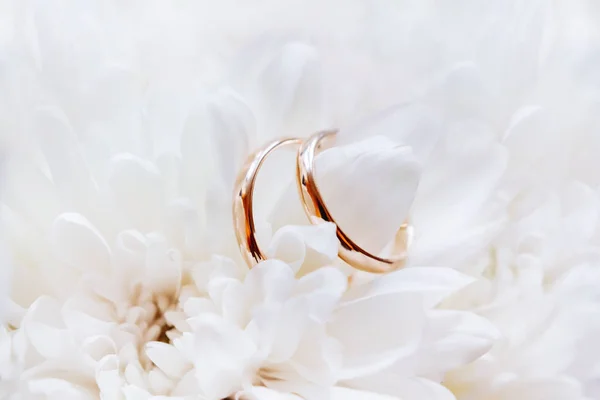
x=375, y=332
x=232, y=128
x=199, y=163
x=558, y=388
x=457, y=250
x=342, y=393
x=581, y=209
x=218, y=266
x=130, y=253
x=270, y=281
x=283, y=81
x=45, y=331
x=183, y=226
x=159, y=382
x=460, y=93
x=415, y=125
x=282, y=327
x=168, y=359
x=458, y=189
x=78, y=243
x=405, y=388
x=82, y=325
x=318, y=359
x=162, y=272
x=288, y=246
x=459, y=338
x=234, y=302
x=97, y=347
x=430, y=284
x=187, y=386
x=195, y=307
x=108, y=378
x=313, y=246
x=219, y=236
x=132, y=392
x=137, y=188
x=68, y=168
x=31, y=192
x=62, y=389
x=323, y=289
x=135, y=375
x=221, y=355
x=368, y=186
x=262, y=393
x=231, y=298
x=113, y=100
x=290, y=382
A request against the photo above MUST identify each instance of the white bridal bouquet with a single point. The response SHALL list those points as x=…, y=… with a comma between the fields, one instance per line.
x=123, y=127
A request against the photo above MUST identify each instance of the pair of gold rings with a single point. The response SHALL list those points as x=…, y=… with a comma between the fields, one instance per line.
x=314, y=206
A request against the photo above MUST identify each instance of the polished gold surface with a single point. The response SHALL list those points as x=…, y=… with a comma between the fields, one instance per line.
x=243, y=214
x=317, y=211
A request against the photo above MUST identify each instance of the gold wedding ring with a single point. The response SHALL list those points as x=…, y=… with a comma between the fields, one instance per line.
x=314, y=206
x=243, y=214
x=317, y=210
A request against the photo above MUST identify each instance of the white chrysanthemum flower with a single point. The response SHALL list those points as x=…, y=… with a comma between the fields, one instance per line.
x=128, y=282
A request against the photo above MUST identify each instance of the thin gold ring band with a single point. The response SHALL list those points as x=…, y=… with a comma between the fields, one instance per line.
x=243, y=214
x=317, y=211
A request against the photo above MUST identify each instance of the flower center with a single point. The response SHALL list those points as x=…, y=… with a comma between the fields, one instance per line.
x=146, y=312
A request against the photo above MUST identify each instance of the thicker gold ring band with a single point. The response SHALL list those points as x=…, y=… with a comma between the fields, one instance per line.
x=317, y=210
x=243, y=214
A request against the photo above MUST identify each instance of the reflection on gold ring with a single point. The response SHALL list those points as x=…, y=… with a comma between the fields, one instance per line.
x=243, y=214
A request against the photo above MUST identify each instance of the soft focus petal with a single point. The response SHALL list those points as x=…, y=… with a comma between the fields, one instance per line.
x=430, y=284
x=311, y=245
x=376, y=331
x=221, y=353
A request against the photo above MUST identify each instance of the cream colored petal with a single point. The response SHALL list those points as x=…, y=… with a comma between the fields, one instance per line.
x=429, y=284
x=159, y=383
x=163, y=267
x=270, y=281
x=581, y=209
x=305, y=247
x=456, y=194
x=45, y=331
x=455, y=339
x=342, y=393
x=263, y=393
x=414, y=125
x=368, y=186
x=95, y=348
x=282, y=80
x=232, y=127
x=79, y=244
x=401, y=387
x=318, y=359
x=322, y=289
x=168, y=359
x=375, y=332
x=137, y=190
x=108, y=377
x=64, y=157
x=132, y=392
x=59, y=389
x=221, y=354
x=183, y=226
x=281, y=328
